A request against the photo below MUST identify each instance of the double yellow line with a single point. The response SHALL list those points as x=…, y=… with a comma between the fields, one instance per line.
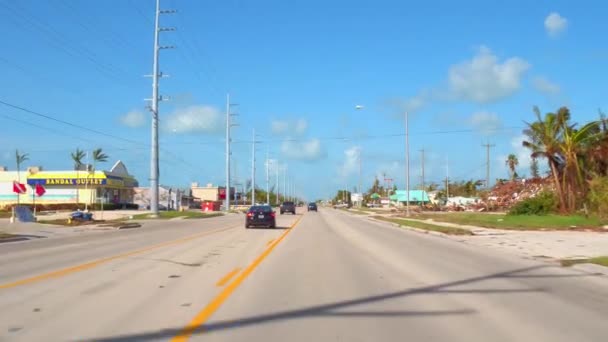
x=95, y=263
x=217, y=302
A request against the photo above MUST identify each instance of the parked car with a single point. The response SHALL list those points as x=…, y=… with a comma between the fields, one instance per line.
x=312, y=206
x=260, y=215
x=288, y=207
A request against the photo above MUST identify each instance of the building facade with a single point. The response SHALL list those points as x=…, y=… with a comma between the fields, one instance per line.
x=210, y=192
x=113, y=186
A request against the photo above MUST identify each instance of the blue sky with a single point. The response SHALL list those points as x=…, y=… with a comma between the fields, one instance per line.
x=468, y=72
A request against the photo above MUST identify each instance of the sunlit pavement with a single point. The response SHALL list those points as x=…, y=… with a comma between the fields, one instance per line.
x=325, y=276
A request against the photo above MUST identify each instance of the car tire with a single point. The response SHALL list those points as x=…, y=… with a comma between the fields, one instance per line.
x=247, y=226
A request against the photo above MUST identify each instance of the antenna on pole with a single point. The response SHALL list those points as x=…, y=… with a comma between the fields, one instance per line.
x=156, y=75
x=488, y=146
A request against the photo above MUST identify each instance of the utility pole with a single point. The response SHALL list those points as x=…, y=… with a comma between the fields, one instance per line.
x=154, y=162
x=407, y=162
x=423, y=188
x=285, y=181
x=267, y=177
x=236, y=184
x=227, y=199
x=447, y=177
x=253, y=171
x=359, y=190
x=277, y=184
x=488, y=146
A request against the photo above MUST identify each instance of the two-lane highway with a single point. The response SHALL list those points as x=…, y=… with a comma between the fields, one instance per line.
x=325, y=276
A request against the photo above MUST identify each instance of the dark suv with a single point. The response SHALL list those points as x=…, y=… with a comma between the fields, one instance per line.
x=312, y=206
x=288, y=207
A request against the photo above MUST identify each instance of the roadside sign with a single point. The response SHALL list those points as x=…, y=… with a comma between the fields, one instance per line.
x=40, y=190
x=18, y=188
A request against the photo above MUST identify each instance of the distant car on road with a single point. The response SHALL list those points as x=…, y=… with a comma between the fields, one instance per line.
x=312, y=206
x=261, y=215
x=288, y=207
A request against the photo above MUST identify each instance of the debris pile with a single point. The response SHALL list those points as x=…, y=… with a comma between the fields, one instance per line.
x=507, y=193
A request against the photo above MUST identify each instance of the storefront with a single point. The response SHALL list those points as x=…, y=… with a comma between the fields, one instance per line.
x=113, y=186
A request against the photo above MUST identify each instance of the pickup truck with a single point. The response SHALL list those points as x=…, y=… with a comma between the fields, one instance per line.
x=288, y=207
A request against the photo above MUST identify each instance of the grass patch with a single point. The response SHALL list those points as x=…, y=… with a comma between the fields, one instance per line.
x=6, y=235
x=521, y=222
x=64, y=222
x=176, y=214
x=602, y=261
x=425, y=226
x=5, y=214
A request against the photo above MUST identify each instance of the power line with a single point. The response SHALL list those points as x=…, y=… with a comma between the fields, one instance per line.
x=67, y=123
x=48, y=117
x=58, y=40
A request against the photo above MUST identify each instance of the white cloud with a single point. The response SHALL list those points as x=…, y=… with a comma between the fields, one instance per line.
x=555, y=24
x=545, y=86
x=301, y=126
x=134, y=118
x=351, y=161
x=411, y=105
x=522, y=153
x=282, y=126
x=279, y=127
x=484, y=79
x=309, y=150
x=194, y=119
x=485, y=122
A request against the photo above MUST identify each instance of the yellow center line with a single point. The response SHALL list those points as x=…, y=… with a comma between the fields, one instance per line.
x=95, y=263
x=269, y=242
x=227, y=277
x=217, y=302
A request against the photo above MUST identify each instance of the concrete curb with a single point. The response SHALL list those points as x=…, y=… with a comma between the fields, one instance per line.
x=418, y=230
x=13, y=239
x=591, y=268
x=122, y=226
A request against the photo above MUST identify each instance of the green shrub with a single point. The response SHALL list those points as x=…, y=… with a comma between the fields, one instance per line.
x=598, y=196
x=542, y=204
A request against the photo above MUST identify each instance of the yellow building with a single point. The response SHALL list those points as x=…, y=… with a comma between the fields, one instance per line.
x=115, y=185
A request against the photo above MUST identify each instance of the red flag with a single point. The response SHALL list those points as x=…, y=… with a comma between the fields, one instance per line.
x=40, y=190
x=18, y=188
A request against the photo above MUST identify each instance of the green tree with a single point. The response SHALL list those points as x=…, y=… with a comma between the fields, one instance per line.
x=544, y=138
x=20, y=158
x=512, y=163
x=98, y=157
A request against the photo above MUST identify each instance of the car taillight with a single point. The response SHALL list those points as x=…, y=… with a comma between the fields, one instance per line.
x=249, y=214
x=273, y=214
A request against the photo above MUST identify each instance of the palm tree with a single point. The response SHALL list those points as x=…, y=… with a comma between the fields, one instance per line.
x=512, y=163
x=534, y=168
x=77, y=157
x=98, y=157
x=20, y=158
x=544, y=139
x=574, y=146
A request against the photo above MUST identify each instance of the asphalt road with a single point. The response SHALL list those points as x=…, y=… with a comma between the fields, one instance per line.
x=332, y=277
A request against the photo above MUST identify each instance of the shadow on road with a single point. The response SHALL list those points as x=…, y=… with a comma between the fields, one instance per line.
x=331, y=309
